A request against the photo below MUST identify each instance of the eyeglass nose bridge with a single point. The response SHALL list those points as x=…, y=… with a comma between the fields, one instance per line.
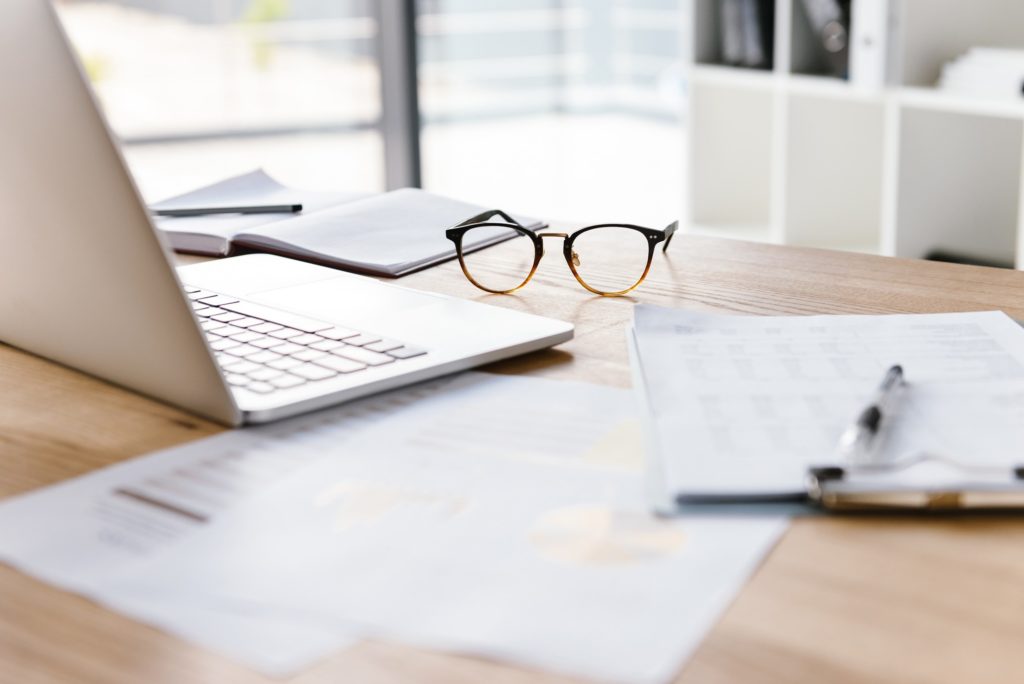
x=564, y=236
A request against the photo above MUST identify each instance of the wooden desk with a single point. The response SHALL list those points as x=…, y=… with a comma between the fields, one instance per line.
x=837, y=600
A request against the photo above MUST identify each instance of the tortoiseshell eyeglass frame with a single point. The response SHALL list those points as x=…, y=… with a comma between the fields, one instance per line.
x=653, y=236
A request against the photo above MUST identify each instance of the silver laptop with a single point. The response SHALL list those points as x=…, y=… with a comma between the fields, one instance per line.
x=86, y=281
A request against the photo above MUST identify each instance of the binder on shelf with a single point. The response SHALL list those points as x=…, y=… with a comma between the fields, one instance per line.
x=747, y=32
x=732, y=32
x=874, y=30
x=830, y=24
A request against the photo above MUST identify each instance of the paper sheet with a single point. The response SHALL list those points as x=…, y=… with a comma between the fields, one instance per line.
x=398, y=230
x=502, y=517
x=743, y=404
x=92, y=529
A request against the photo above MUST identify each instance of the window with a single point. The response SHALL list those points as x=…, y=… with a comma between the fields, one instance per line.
x=563, y=109
x=198, y=90
x=566, y=109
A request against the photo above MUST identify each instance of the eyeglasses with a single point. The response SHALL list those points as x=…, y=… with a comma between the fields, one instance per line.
x=608, y=259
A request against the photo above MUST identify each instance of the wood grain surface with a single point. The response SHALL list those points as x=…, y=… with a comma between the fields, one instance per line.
x=839, y=600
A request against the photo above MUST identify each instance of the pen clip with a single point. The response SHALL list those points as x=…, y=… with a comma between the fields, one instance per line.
x=860, y=443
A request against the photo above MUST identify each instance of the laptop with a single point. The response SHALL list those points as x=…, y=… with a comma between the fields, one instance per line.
x=86, y=280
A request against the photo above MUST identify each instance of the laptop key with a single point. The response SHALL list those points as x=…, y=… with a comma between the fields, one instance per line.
x=288, y=348
x=286, y=381
x=277, y=316
x=337, y=333
x=236, y=380
x=247, y=322
x=362, y=340
x=285, y=363
x=244, y=350
x=382, y=345
x=286, y=333
x=217, y=300
x=363, y=356
x=224, y=345
x=265, y=327
x=309, y=355
x=304, y=339
x=261, y=387
x=246, y=336
x=339, y=364
x=267, y=343
x=264, y=357
x=265, y=374
x=312, y=372
x=406, y=352
x=326, y=345
x=239, y=366
x=227, y=317
x=227, y=330
x=197, y=294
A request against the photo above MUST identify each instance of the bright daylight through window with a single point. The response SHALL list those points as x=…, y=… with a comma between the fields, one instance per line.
x=567, y=109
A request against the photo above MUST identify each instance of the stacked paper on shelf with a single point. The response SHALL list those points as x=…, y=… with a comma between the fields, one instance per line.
x=996, y=73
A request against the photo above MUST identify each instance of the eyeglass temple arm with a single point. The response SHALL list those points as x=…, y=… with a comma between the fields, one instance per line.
x=670, y=230
x=490, y=213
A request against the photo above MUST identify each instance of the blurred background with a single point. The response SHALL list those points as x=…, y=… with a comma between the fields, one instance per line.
x=558, y=108
x=886, y=126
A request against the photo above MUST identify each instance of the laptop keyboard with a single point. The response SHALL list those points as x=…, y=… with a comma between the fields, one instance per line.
x=266, y=350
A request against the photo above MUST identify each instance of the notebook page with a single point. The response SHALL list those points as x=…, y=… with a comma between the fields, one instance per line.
x=253, y=188
x=387, y=233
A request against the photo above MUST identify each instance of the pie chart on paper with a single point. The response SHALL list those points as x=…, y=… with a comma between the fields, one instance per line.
x=597, y=535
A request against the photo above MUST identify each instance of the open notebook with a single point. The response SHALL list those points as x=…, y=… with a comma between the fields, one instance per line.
x=388, y=234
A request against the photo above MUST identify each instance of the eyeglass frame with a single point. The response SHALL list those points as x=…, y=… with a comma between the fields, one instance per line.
x=654, y=237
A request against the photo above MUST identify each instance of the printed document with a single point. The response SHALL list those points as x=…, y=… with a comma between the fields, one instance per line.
x=498, y=516
x=742, y=405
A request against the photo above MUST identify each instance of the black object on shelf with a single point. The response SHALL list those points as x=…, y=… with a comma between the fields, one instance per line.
x=960, y=258
x=829, y=22
x=747, y=32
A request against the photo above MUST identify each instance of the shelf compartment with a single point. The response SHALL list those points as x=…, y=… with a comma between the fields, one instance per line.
x=959, y=182
x=834, y=169
x=933, y=32
x=731, y=154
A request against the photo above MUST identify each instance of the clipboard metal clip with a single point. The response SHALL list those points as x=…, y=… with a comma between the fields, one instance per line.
x=922, y=483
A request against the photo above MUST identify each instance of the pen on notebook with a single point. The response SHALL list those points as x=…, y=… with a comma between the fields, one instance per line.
x=254, y=209
x=857, y=442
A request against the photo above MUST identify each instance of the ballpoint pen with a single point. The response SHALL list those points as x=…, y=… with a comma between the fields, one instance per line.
x=253, y=209
x=857, y=443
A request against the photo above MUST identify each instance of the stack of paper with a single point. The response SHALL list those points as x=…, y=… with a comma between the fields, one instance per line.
x=741, y=406
x=503, y=517
x=996, y=73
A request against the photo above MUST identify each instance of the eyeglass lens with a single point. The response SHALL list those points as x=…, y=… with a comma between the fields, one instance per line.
x=610, y=259
x=503, y=268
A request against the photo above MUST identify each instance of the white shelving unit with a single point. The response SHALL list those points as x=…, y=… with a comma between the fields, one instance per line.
x=788, y=156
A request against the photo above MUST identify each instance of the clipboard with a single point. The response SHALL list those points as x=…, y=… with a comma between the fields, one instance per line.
x=924, y=483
